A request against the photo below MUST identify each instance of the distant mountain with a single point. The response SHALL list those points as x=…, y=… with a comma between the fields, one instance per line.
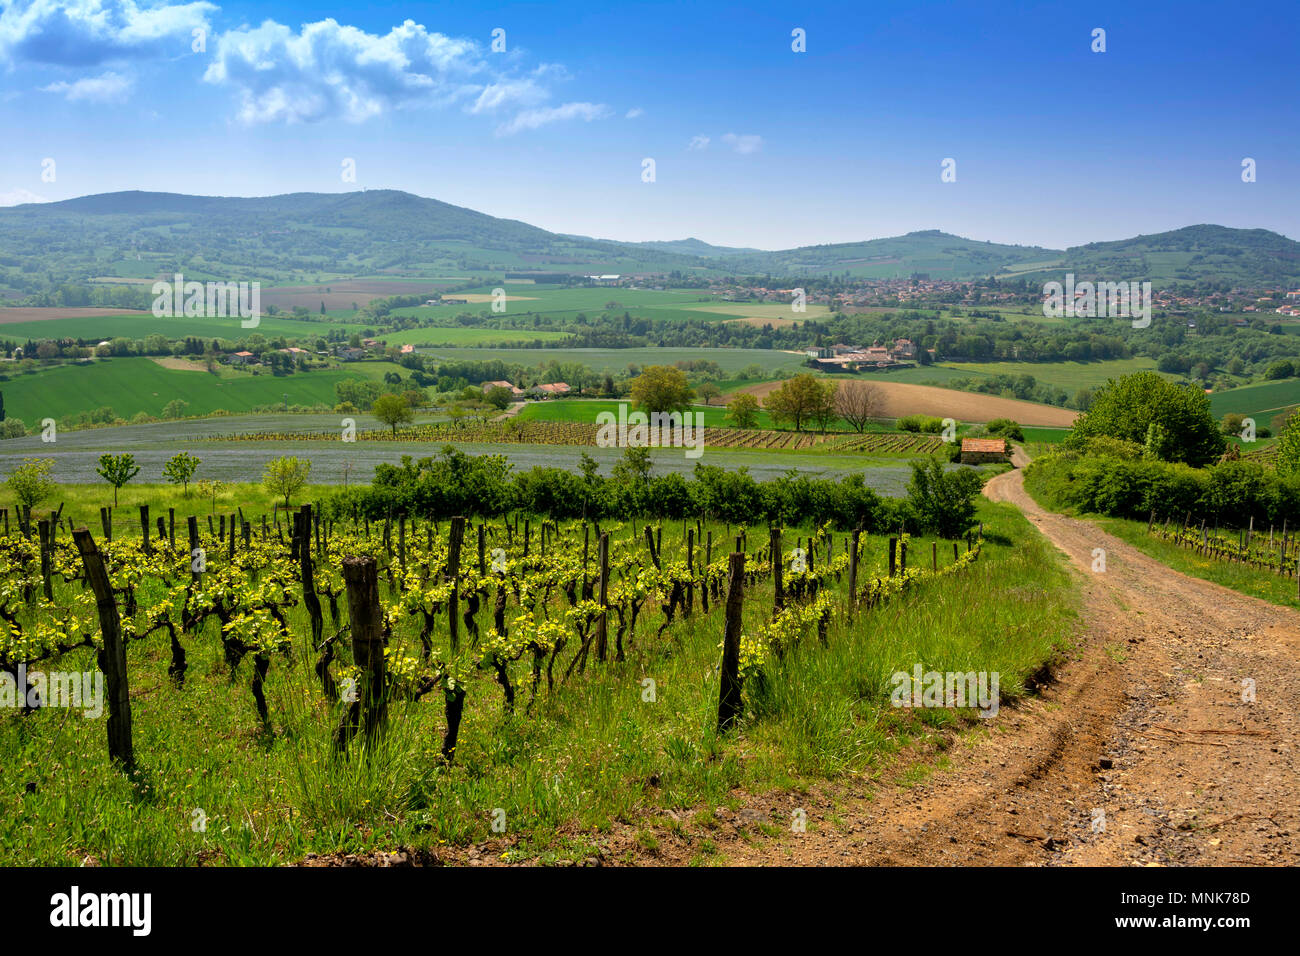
x=1251, y=258
x=300, y=236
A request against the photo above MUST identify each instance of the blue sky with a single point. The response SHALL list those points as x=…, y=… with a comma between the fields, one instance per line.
x=753, y=144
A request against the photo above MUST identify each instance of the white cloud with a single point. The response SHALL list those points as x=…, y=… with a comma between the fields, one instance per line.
x=108, y=87
x=745, y=143
x=698, y=142
x=83, y=33
x=634, y=112
x=329, y=70
x=17, y=197
x=532, y=119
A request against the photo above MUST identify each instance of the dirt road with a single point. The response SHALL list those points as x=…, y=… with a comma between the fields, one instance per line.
x=1141, y=751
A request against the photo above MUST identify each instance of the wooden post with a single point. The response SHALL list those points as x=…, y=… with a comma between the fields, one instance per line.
x=453, y=572
x=893, y=556
x=47, y=582
x=853, y=570
x=774, y=543
x=729, y=689
x=162, y=531
x=112, y=657
x=482, y=551
x=602, y=624
x=309, y=595
x=106, y=520
x=934, y=556
x=144, y=530
x=171, y=527
x=193, y=526
x=369, y=710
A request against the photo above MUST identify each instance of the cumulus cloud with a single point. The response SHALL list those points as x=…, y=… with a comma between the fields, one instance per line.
x=331, y=70
x=80, y=33
x=108, y=87
x=698, y=142
x=745, y=143
x=16, y=197
x=533, y=119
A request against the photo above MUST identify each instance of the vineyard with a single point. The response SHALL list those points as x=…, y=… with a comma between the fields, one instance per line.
x=362, y=660
x=1274, y=552
x=532, y=432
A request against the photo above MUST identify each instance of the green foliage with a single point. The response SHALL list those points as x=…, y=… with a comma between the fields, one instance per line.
x=392, y=410
x=801, y=400
x=1288, y=447
x=1005, y=428
x=286, y=476
x=1127, y=407
x=180, y=468
x=742, y=411
x=117, y=470
x=927, y=424
x=943, y=503
x=661, y=388
x=31, y=482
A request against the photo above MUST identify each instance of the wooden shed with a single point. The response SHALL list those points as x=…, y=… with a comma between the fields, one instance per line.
x=979, y=451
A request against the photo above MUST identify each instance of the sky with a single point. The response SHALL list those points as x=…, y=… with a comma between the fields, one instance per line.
x=753, y=143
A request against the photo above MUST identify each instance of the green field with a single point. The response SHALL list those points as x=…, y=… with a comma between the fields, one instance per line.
x=146, y=324
x=1070, y=376
x=470, y=337
x=133, y=385
x=1262, y=401
x=617, y=360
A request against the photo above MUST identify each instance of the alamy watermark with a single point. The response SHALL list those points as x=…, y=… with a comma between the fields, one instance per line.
x=949, y=689
x=70, y=690
x=208, y=300
x=1128, y=300
x=655, y=430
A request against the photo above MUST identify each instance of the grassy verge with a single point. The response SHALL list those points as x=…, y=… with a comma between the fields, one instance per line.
x=1239, y=577
x=599, y=750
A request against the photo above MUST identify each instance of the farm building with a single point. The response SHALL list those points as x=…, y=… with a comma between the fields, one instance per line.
x=979, y=451
x=551, y=390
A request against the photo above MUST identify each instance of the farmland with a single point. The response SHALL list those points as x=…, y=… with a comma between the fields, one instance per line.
x=536, y=721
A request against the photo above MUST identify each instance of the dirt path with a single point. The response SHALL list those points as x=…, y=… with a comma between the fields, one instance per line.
x=1146, y=724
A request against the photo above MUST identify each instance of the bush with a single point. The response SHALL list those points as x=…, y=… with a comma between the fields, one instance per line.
x=1006, y=428
x=943, y=503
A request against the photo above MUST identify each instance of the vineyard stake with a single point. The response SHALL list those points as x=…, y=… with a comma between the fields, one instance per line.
x=602, y=623
x=453, y=572
x=144, y=529
x=729, y=688
x=774, y=543
x=112, y=656
x=370, y=708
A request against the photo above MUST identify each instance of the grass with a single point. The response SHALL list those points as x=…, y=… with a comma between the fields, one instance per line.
x=617, y=360
x=133, y=385
x=594, y=755
x=1230, y=574
x=1070, y=376
x=1262, y=401
x=97, y=328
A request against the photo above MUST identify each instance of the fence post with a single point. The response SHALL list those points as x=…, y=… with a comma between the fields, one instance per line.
x=144, y=530
x=112, y=657
x=774, y=545
x=309, y=595
x=602, y=624
x=47, y=582
x=453, y=572
x=729, y=688
x=893, y=556
x=853, y=570
x=369, y=710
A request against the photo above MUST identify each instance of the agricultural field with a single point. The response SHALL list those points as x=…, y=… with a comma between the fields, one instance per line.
x=617, y=360
x=133, y=385
x=1262, y=402
x=539, y=722
x=901, y=399
x=100, y=324
x=1070, y=376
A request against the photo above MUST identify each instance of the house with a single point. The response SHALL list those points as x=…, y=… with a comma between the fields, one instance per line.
x=407, y=349
x=977, y=451
x=295, y=352
x=242, y=358
x=516, y=392
x=352, y=355
x=904, y=349
x=551, y=390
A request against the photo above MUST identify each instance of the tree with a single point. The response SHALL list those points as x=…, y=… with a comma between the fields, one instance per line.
x=286, y=476
x=742, y=411
x=802, y=399
x=210, y=489
x=1126, y=407
x=175, y=408
x=30, y=482
x=180, y=468
x=708, y=391
x=117, y=470
x=1288, y=446
x=943, y=503
x=661, y=388
x=857, y=403
x=500, y=396
x=392, y=410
